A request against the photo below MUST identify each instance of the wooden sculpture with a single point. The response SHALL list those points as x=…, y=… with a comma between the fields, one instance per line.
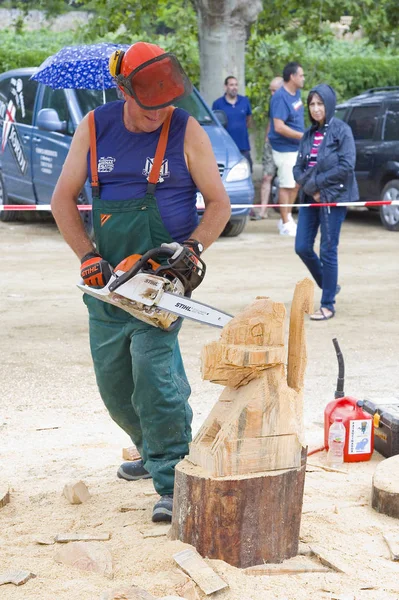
x=238, y=494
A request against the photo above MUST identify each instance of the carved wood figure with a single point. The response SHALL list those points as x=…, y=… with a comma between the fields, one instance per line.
x=238, y=494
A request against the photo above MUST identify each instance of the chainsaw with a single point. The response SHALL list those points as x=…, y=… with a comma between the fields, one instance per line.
x=157, y=294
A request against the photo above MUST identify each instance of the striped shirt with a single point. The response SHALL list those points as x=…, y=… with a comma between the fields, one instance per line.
x=318, y=138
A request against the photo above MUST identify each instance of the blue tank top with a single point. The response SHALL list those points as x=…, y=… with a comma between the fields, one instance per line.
x=125, y=160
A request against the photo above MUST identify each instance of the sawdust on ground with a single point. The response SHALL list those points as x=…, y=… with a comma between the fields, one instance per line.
x=55, y=430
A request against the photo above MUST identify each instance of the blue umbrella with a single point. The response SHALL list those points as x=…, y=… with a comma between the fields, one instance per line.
x=79, y=67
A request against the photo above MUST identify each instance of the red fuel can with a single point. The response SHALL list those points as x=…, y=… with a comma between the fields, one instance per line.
x=359, y=440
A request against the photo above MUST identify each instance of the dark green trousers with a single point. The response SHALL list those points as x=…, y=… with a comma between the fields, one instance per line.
x=139, y=369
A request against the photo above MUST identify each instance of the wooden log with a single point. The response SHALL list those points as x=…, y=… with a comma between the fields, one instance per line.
x=243, y=520
x=385, y=496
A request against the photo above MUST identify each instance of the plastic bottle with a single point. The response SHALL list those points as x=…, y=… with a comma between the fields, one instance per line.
x=336, y=443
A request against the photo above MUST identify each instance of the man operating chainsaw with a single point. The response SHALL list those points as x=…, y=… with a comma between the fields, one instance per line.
x=145, y=160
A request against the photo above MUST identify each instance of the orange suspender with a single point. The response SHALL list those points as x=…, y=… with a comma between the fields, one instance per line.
x=156, y=166
x=95, y=187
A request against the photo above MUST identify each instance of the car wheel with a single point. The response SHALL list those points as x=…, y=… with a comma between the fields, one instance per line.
x=234, y=228
x=5, y=215
x=389, y=215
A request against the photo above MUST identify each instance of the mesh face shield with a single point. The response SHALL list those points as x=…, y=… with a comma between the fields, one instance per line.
x=157, y=83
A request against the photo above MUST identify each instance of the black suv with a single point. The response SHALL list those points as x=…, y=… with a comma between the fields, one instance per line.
x=374, y=119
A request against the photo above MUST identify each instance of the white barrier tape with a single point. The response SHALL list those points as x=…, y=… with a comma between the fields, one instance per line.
x=84, y=207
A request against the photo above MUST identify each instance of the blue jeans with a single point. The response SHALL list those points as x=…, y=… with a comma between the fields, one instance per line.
x=324, y=269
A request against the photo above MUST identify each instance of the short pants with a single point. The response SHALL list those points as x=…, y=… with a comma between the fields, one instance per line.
x=269, y=167
x=285, y=162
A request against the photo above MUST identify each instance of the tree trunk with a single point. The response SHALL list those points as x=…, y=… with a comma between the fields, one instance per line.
x=243, y=520
x=222, y=31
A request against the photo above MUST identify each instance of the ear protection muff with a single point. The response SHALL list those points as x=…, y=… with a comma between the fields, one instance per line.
x=115, y=62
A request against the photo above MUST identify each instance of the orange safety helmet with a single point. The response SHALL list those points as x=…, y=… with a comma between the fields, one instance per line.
x=153, y=77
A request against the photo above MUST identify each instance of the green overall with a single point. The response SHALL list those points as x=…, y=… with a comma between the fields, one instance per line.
x=138, y=367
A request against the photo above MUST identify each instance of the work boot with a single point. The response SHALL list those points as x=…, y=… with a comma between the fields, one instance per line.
x=162, y=511
x=133, y=470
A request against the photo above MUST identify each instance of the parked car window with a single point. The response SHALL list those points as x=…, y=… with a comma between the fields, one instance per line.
x=22, y=92
x=193, y=105
x=56, y=100
x=391, y=127
x=90, y=99
x=340, y=113
x=363, y=120
x=4, y=89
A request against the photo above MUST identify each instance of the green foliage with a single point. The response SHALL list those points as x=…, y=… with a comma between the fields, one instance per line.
x=350, y=67
x=172, y=24
x=31, y=48
x=294, y=18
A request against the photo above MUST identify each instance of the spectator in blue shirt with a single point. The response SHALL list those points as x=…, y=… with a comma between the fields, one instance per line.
x=286, y=130
x=238, y=112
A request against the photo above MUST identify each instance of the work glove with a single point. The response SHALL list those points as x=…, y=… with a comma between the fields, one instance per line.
x=95, y=271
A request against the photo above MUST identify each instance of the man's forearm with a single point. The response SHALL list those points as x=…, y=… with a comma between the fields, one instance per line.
x=288, y=132
x=71, y=226
x=212, y=224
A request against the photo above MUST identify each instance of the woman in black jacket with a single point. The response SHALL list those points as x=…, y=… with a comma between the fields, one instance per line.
x=325, y=173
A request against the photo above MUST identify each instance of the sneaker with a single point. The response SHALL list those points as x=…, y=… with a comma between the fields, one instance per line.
x=291, y=218
x=133, y=470
x=162, y=511
x=280, y=224
x=256, y=217
x=288, y=229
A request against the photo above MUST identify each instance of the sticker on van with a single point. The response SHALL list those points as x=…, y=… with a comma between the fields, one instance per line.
x=10, y=135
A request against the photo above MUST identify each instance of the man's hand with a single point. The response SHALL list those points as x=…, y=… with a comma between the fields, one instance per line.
x=95, y=271
x=316, y=197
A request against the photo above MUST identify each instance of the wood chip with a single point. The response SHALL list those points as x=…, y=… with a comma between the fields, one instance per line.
x=155, y=532
x=76, y=493
x=304, y=549
x=131, y=508
x=331, y=559
x=130, y=453
x=203, y=575
x=150, y=493
x=292, y=566
x=16, y=577
x=87, y=556
x=63, y=538
x=45, y=541
x=393, y=544
x=4, y=497
x=133, y=592
x=327, y=468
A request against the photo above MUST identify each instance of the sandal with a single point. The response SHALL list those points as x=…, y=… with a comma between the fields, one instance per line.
x=323, y=314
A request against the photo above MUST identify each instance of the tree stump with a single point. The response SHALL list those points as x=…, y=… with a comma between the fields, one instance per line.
x=238, y=494
x=243, y=520
x=385, y=496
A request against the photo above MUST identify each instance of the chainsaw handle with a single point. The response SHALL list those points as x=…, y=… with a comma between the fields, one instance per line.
x=155, y=252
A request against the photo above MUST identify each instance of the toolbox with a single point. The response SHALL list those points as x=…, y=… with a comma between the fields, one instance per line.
x=386, y=425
